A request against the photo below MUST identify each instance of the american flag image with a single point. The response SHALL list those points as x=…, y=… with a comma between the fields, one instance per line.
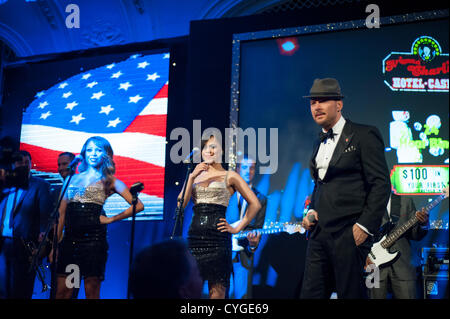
x=124, y=102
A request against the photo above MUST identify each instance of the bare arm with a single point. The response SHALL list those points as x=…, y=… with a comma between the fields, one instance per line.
x=61, y=223
x=254, y=206
x=62, y=217
x=187, y=195
x=123, y=191
x=62, y=211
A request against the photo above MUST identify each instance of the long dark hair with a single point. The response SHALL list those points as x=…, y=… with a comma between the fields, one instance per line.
x=107, y=167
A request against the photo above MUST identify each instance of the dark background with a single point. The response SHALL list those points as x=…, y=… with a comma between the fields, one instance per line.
x=199, y=88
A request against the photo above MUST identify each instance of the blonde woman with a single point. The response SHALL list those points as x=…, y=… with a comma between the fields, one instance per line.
x=84, y=222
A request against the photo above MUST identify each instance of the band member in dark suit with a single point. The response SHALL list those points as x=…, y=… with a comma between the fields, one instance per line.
x=64, y=160
x=243, y=260
x=401, y=276
x=349, y=199
x=25, y=212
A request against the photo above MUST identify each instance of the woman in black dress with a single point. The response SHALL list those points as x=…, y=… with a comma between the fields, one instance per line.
x=209, y=237
x=82, y=217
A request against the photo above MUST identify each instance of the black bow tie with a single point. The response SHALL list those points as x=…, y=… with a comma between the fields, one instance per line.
x=325, y=136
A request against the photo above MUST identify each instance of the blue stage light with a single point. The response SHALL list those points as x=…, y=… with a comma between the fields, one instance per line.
x=288, y=46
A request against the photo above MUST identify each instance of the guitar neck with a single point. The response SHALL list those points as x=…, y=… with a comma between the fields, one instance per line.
x=263, y=231
x=392, y=237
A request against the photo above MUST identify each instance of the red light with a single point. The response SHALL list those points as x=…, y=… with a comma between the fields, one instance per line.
x=288, y=46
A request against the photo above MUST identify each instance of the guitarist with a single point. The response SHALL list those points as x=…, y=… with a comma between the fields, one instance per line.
x=243, y=260
x=400, y=276
x=24, y=212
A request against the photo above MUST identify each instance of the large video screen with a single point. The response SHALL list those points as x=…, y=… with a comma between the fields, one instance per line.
x=121, y=97
x=395, y=77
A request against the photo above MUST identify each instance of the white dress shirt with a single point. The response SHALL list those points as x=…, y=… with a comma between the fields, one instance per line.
x=326, y=149
x=11, y=201
x=388, y=208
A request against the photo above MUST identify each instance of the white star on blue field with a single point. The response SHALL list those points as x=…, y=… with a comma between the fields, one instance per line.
x=102, y=100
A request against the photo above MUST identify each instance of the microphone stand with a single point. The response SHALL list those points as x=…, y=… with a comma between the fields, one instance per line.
x=134, y=190
x=52, y=223
x=179, y=212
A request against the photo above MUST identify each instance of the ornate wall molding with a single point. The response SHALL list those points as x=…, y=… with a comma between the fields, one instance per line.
x=47, y=12
x=139, y=6
x=102, y=33
x=237, y=8
x=15, y=41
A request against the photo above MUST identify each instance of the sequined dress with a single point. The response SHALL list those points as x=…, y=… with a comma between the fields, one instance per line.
x=210, y=247
x=84, y=242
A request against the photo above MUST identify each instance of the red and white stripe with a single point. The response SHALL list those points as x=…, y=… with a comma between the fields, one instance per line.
x=139, y=152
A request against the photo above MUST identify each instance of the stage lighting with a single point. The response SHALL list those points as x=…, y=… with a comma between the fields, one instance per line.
x=287, y=46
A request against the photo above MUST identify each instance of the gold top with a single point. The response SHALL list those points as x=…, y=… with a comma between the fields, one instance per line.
x=214, y=193
x=94, y=193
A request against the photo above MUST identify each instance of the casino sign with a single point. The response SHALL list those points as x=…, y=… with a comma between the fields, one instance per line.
x=424, y=69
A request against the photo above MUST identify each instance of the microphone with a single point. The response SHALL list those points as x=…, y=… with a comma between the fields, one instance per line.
x=189, y=158
x=312, y=219
x=136, y=188
x=73, y=165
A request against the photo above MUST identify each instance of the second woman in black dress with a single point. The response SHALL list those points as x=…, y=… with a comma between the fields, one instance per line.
x=209, y=237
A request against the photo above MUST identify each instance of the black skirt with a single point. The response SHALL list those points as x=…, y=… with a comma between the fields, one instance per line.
x=84, y=243
x=210, y=247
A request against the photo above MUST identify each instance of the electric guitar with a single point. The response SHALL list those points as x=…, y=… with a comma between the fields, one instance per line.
x=31, y=249
x=272, y=228
x=379, y=255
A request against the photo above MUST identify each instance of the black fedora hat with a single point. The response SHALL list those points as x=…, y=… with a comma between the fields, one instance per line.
x=325, y=88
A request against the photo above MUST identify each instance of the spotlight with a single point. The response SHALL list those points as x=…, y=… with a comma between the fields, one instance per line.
x=288, y=46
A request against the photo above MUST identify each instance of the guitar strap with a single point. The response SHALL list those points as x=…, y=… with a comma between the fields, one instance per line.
x=240, y=202
x=395, y=208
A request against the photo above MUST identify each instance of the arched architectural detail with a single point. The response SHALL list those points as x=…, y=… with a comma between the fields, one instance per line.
x=14, y=41
x=236, y=8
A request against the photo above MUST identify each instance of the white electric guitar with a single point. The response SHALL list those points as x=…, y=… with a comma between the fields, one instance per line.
x=272, y=228
x=379, y=255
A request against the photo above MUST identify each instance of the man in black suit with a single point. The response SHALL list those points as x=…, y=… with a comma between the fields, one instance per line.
x=400, y=277
x=351, y=191
x=243, y=256
x=64, y=160
x=24, y=215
